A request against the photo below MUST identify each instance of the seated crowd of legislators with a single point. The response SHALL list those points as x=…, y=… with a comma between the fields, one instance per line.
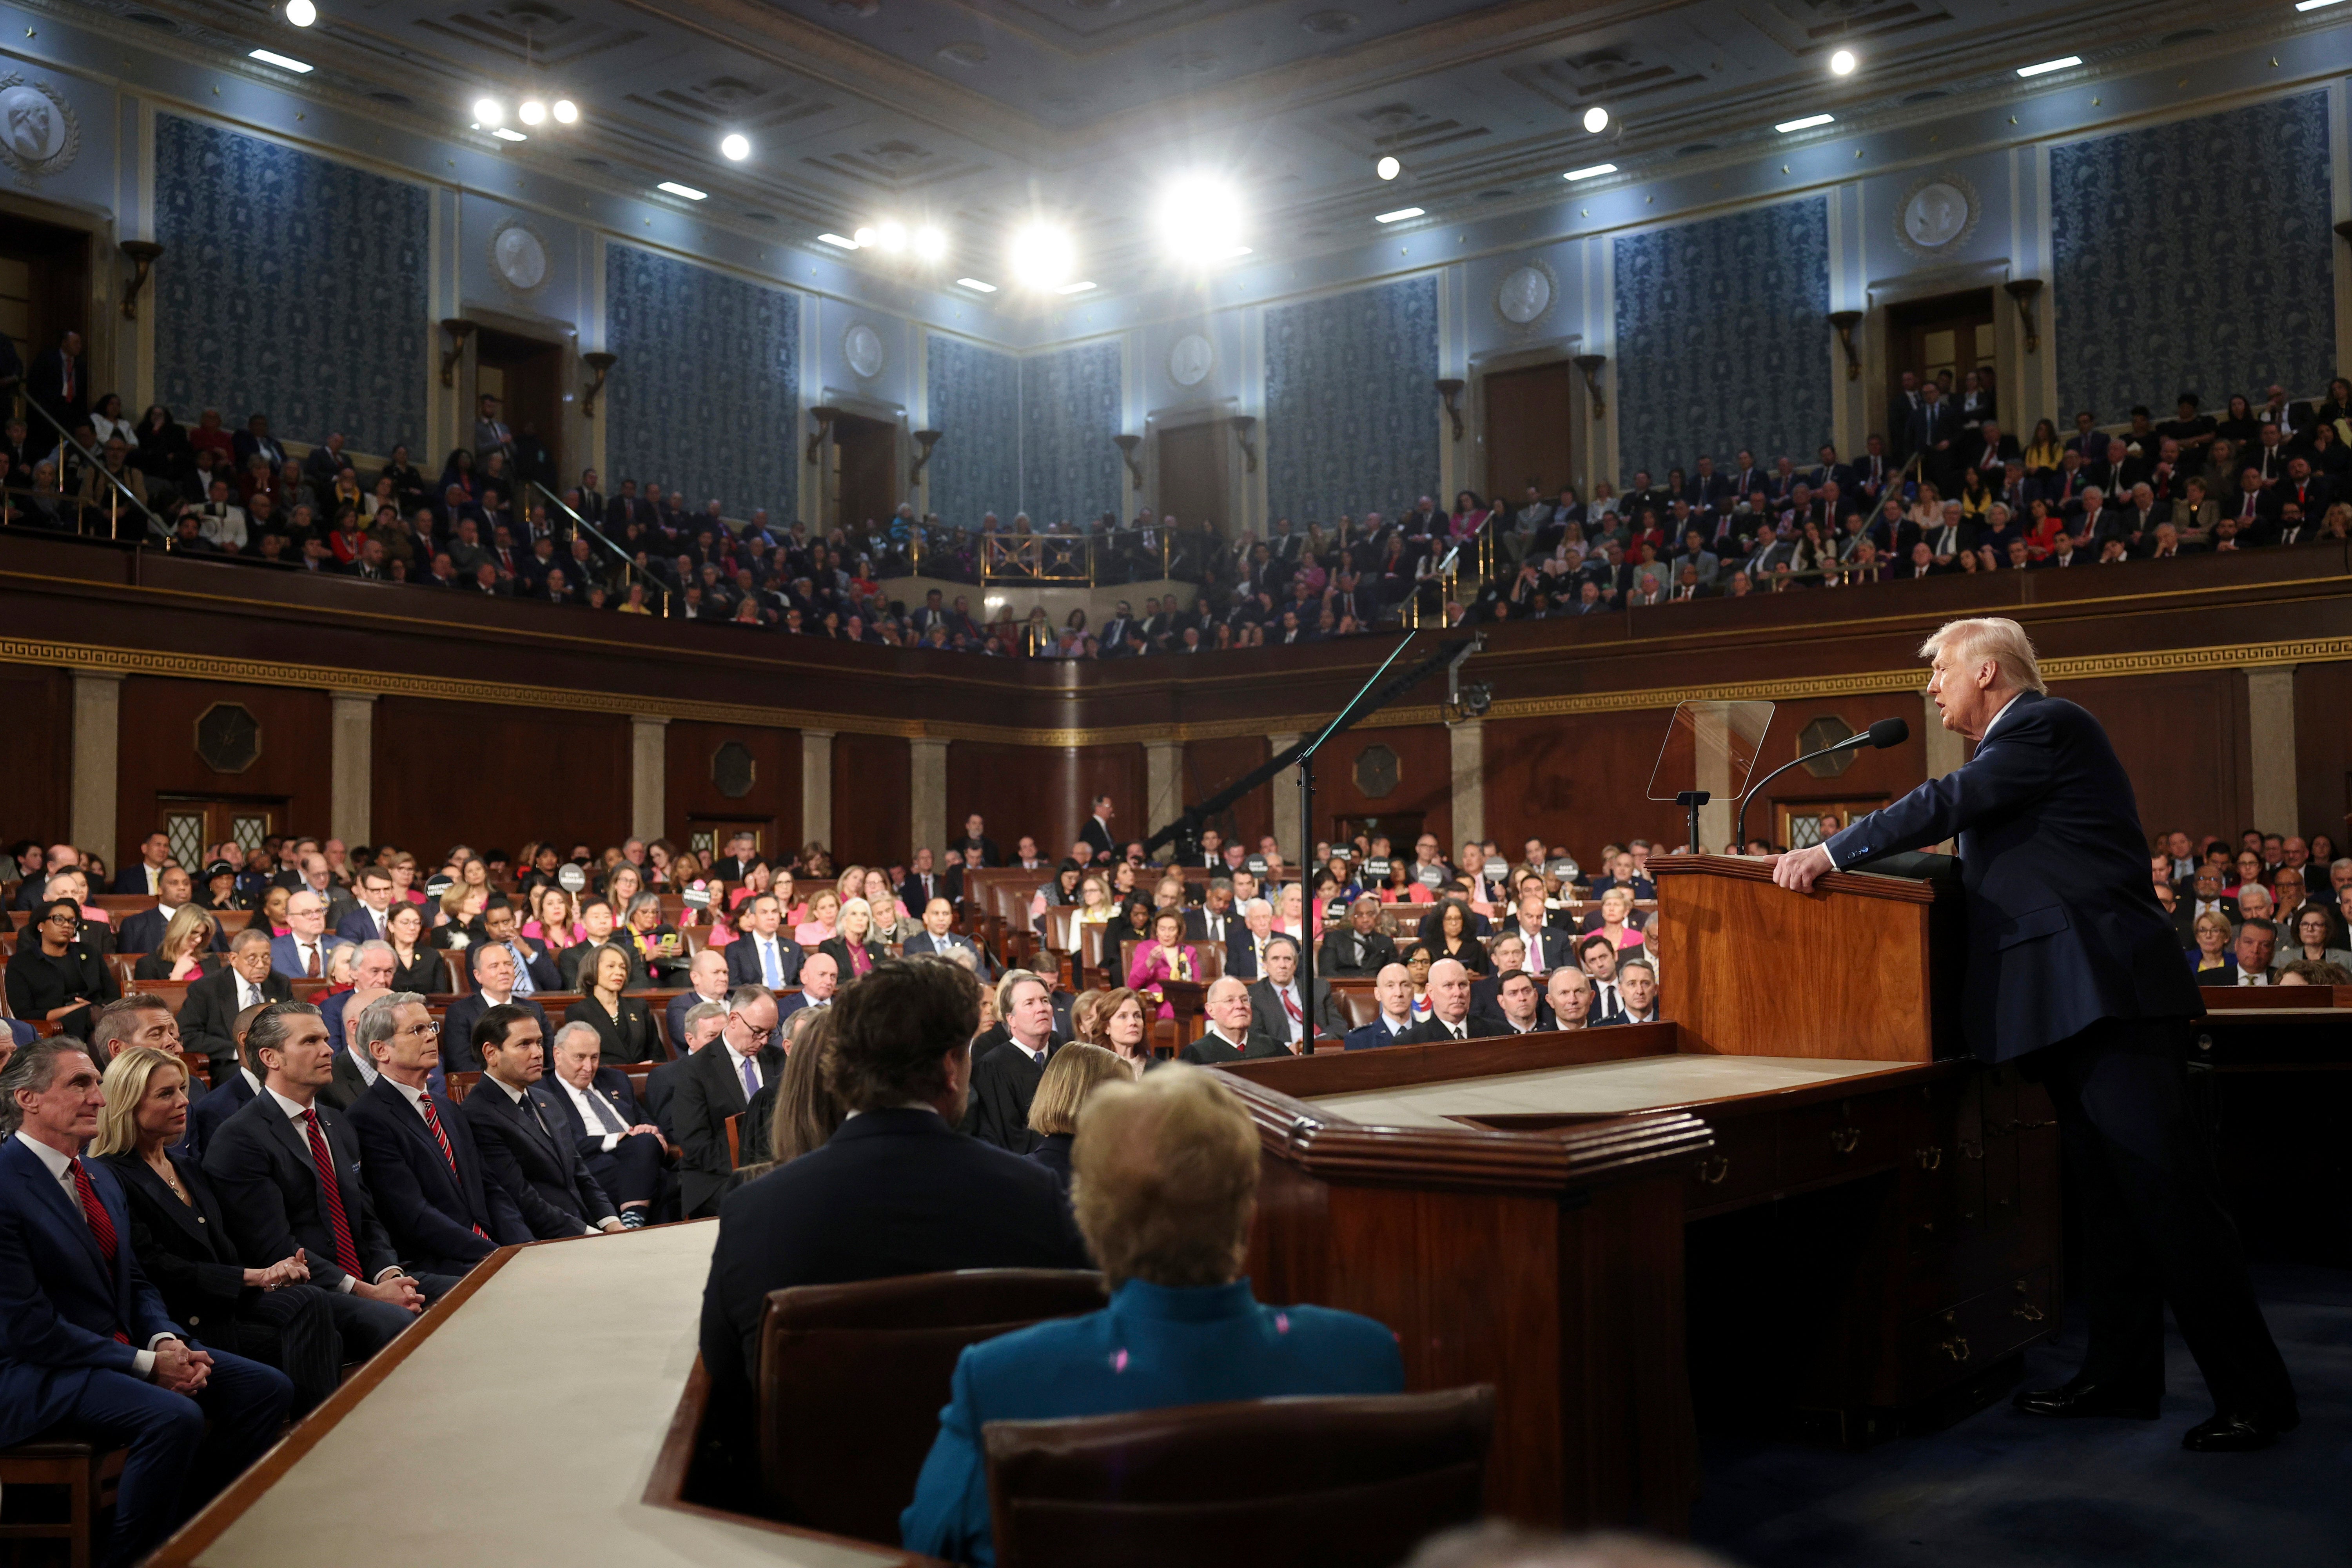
x=1945, y=488
x=263, y=1112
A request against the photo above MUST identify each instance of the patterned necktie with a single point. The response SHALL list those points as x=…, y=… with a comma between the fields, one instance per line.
x=101, y=1224
x=310, y=960
x=522, y=983
x=347, y=1256
x=604, y=1112
x=433, y=1125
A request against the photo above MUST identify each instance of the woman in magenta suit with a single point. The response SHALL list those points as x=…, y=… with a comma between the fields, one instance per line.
x=1166, y=957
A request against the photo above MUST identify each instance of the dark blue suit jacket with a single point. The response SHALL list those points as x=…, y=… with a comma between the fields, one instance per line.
x=283, y=960
x=1152, y=1348
x=1372, y=1035
x=60, y=1305
x=743, y=960
x=530, y=1156
x=221, y=1101
x=2064, y=929
x=430, y=1213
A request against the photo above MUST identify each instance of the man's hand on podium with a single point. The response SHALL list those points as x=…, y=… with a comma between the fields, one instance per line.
x=1801, y=870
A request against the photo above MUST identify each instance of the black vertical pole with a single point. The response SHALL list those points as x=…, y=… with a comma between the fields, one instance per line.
x=1306, y=898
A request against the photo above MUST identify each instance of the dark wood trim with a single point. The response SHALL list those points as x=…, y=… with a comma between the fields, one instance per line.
x=1434, y=1061
x=1745, y=869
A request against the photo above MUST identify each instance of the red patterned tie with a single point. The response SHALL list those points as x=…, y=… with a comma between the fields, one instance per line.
x=347, y=1256
x=433, y=1121
x=101, y=1224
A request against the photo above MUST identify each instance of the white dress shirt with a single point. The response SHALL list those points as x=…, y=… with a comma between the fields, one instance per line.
x=771, y=960
x=586, y=1103
x=1288, y=994
x=735, y=1061
x=60, y=1166
x=248, y=995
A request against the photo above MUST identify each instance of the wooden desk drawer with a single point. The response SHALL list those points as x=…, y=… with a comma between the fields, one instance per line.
x=1742, y=1167
x=1835, y=1138
x=1942, y=1348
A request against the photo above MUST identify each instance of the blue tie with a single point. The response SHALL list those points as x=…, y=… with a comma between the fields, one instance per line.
x=768, y=964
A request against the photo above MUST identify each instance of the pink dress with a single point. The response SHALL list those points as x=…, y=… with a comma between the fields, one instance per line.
x=1151, y=966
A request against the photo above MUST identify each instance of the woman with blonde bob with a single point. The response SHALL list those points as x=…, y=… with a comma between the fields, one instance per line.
x=1076, y=1072
x=1165, y=1186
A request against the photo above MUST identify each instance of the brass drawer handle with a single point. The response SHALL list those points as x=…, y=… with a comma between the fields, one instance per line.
x=1931, y=1159
x=1956, y=1347
x=1842, y=1139
x=1713, y=1168
x=2026, y=1311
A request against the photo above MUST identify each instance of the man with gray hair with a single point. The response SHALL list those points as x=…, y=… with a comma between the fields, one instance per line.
x=698, y=1026
x=442, y=1215
x=212, y=1003
x=618, y=1143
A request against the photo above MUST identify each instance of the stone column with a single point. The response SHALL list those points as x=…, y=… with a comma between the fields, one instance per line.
x=97, y=759
x=2270, y=725
x=1285, y=798
x=1468, y=740
x=1946, y=749
x=926, y=793
x=816, y=787
x=350, y=767
x=648, y=777
x=1163, y=783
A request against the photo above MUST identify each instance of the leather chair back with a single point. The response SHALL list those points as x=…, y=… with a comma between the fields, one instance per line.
x=1213, y=959
x=1357, y=998
x=852, y=1379
x=457, y=972
x=1353, y=1482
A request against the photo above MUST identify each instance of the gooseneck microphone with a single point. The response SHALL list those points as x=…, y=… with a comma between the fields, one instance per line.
x=1885, y=733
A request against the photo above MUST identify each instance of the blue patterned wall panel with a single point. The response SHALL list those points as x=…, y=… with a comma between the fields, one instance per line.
x=1722, y=338
x=974, y=396
x=289, y=286
x=1070, y=403
x=706, y=398
x=1350, y=420
x=2195, y=255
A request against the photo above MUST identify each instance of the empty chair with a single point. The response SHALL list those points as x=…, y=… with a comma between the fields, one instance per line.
x=851, y=1378
x=1346, y=1482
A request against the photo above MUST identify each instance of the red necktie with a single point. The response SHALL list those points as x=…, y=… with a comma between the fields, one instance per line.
x=1290, y=1006
x=433, y=1125
x=101, y=1224
x=347, y=1256
x=311, y=962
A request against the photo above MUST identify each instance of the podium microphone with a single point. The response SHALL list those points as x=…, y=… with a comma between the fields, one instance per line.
x=1885, y=733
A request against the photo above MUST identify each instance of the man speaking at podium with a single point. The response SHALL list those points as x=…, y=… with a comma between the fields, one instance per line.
x=2072, y=971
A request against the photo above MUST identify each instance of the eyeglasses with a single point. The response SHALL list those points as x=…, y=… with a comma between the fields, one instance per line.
x=426, y=1030
x=64, y=917
x=757, y=1035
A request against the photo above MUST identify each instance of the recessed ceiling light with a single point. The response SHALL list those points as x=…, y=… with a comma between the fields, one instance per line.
x=2046, y=67
x=505, y=133
x=566, y=111
x=1388, y=168
x=890, y=234
x=1842, y=63
x=931, y=242
x=863, y=234
x=1596, y=120
x=271, y=57
x=1591, y=171
x=490, y=111
x=1807, y=123
x=688, y=192
x=301, y=12
x=735, y=145
x=1074, y=287
x=2315, y=5
x=1399, y=215
x=533, y=112
x=1041, y=256
x=1199, y=218
x=976, y=285
x=842, y=240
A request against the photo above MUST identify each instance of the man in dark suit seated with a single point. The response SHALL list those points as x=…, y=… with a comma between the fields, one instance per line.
x=2250, y=955
x=494, y=986
x=1450, y=1017
x=144, y=875
x=1229, y=1036
x=2072, y=971
x=1637, y=988
x=213, y=1002
x=374, y=964
x=922, y=884
x=365, y=921
x=706, y=981
x=229, y=1094
x=1392, y=988
x=1005, y=1079
x=535, y=967
x=142, y=931
x=935, y=937
x=1569, y=999
x=761, y=954
x=1279, y=1013
x=90, y=1353
x=715, y=1087
x=896, y=1190
x=288, y=1174
x=422, y=1171
x=1360, y=947
x=516, y=1129
x=1183, y=1326
x=302, y=952
x=617, y=1141
x=701, y=1026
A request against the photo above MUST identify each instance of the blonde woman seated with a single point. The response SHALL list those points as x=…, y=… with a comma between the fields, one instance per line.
x=2213, y=939
x=824, y=910
x=1166, y=957
x=852, y=944
x=1095, y=906
x=1165, y=1191
x=187, y=943
x=1076, y=1070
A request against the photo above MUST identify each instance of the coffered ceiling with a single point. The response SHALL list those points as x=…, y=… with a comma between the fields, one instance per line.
x=974, y=114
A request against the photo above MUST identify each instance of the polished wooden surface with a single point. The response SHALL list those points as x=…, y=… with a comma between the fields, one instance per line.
x=1749, y=968
x=691, y=795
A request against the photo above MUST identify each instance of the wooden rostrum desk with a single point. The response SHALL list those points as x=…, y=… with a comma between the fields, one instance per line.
x=1796, y=1196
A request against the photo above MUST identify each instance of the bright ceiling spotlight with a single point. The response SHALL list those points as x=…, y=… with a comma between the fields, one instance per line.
x=1041, y=256
x=566, y=111
x=490, y=111
x=1596, y=120
x=736, y=146
x=533, y=112
x=301, y=12
x=1201, y=218
x=931, y=242
x=890, y=234
x=1388, y=168
x=863, y=235
x=1842, y=63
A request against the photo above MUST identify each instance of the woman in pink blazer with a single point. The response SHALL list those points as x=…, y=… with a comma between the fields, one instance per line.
x=1166, y=957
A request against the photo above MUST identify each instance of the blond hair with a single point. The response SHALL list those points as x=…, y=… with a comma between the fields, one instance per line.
x=125, y=1084
x=1995, y=638
x=1165, y=1180
x=188, y=924
x=1071, y=1077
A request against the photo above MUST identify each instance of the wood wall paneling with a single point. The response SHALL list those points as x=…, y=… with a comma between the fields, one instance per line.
x=158, y=754
x=1424, y=781
x=1871, y=774
x=1211, y=766
x=2183, y=740
x=1578, y=782
x=36, y=784
x=872, y=793
x=494, y=777
x=1043, y=791
x=690, y=797
x=2323, y=749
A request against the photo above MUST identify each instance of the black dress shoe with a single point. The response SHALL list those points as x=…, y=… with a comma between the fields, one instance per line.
x=2078, y=1399
x=2238, y=1432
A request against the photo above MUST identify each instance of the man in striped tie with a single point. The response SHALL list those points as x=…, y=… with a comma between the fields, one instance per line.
x=89, y=1353
x=288, y=1173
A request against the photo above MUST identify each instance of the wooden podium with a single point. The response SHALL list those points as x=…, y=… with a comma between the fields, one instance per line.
x=1793, y=1181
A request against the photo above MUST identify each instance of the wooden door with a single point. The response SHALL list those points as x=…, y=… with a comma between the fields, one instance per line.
x=44, y=294
x=866, y=460
x=708, y=836
x=1528, y=432
x=1801, y=822
x=193, y=826
x=527, y=376
x=1192, y=473
x=1953, y=332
